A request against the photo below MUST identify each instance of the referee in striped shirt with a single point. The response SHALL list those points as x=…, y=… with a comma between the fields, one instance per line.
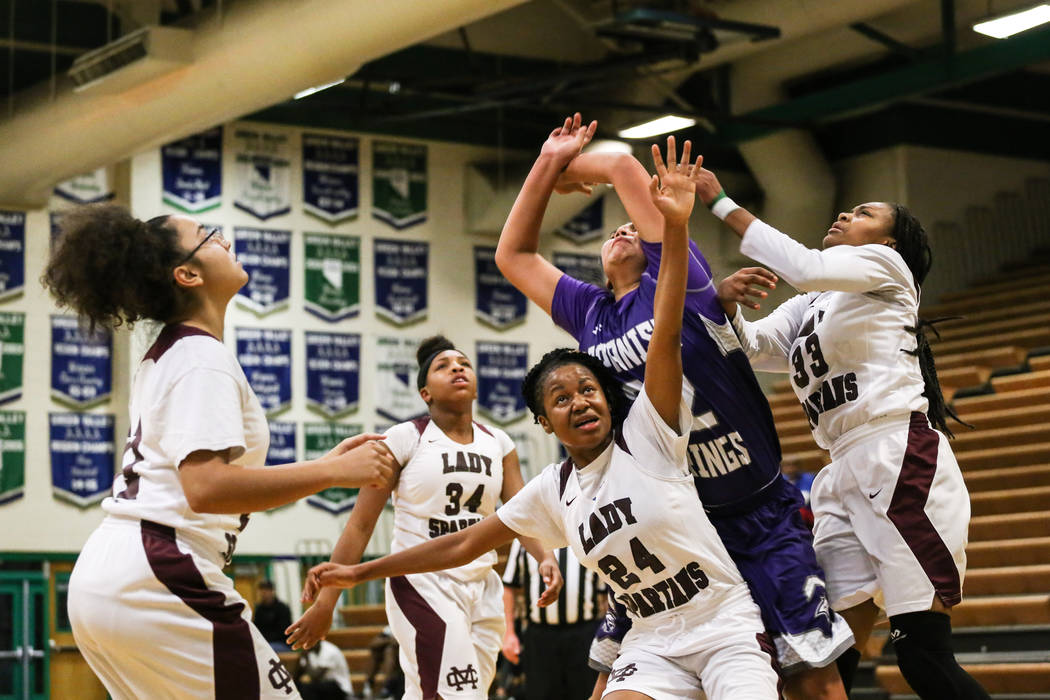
x=556, y=639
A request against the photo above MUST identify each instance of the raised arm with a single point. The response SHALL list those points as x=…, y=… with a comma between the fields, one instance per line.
x=631, y=181
x=672, y=191
x=517, y=254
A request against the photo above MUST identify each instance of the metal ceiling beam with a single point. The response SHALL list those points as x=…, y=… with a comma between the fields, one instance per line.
x=40, y=47
x=899, y=47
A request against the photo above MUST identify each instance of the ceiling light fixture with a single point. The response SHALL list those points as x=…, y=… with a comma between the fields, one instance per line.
x=654, y=127
x=317, y=88
x=1015, y=22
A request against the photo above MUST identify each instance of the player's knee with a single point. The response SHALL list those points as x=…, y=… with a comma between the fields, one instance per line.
x=923, y=642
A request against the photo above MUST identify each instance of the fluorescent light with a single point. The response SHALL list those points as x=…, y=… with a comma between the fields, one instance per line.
x=316, y=88
x=608, y=146
x=1008, y=25
x=663, y=125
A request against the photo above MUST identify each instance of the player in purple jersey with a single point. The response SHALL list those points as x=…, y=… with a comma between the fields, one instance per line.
x=733, y=452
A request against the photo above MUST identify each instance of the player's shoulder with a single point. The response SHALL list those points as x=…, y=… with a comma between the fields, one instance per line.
x=182, y=348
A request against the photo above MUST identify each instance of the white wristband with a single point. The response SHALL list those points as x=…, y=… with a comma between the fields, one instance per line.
x=724, y=207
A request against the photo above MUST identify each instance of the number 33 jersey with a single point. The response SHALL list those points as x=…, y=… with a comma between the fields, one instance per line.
x=633, y=516
x=445, y=486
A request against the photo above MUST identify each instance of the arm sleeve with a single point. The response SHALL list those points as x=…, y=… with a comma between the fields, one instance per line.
x=203, y=410
x=656, y=446
x=572, y=298
x=512, y=574
x=401, y=440
x=506, y=445
x=767, y=341
x=529, y=511
x=842, y=268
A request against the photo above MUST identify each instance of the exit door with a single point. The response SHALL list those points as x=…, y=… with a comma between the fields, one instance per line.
x=23, y=636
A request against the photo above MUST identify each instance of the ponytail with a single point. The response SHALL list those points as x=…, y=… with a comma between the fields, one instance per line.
x=939, y=411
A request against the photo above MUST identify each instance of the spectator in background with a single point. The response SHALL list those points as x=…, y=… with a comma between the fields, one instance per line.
x=272, y=617
x=385, y=662
x=792, y=472
x=556, y=638
x=322, y=673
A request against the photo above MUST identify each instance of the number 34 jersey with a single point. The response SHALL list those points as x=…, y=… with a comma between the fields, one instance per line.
x=633, y=516
x=445, y=486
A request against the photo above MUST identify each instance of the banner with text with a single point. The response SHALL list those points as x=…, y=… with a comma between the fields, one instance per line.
x=319, y=438
x=266, y=356
x=81, y=363
x=401, y=280
x=333, y=372
x=12, y=455
x=585, y=226
x=88, y=188
x=332, y=275
x=266, y=256
x=330, y=177
x=12, y=253
x=191, y=171
x=282, y=443
x=263, y=173
x=397, y=397
x=586, y=268
x=82, y=456
x=12, y=355
x=501, y=369
x=496, y=301
x=399, y=183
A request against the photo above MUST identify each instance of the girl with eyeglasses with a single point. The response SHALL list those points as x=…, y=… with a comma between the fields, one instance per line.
x=151, y=609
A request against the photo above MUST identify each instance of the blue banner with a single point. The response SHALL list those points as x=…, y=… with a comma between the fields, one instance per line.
x=282, y=444
x=266, y=356
x=266, y=257
x=192, y=171
x=496, y=301
x=82, y=456
x=586, y=268
x=585, y=226
x=12, y=253
x=333, y=372
x=330, y=177
x=501, y=369
x=401, y=280
x=81, y=363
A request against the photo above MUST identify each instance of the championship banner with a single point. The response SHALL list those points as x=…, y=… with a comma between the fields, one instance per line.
x=397, y=398
x=585, y=226
x=321, y=437
x=330, y=177
x=401, y=280
x=501, y=369
x=12, y=355
x=266, y=356
x=88, y=188
x=531, y=463
x=191, y=170
x=399, y=183
x=12, y=455
x=282, y=443
x=586, y=268
x=55, y=219
x=263, y=173
x=81, y=363
x=333, y=275
x=266, y=256
x=82, y=456
x=12, y=253
x=333, y=372
x=496, y=301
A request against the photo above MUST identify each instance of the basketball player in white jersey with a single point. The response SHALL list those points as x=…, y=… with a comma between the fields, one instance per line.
x=453, y=472
x=151, y=610
x=891, y=510
x=625, y=502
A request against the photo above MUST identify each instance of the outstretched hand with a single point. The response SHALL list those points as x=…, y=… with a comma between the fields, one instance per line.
x=565, y=142
x=552, y=579
x=328, y=574
x=743, y=286
x=673, y=187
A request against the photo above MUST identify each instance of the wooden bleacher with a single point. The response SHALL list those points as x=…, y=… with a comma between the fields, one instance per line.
x=994, y=367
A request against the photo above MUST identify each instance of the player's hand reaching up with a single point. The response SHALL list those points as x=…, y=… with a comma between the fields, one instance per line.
x=673, y=188
x=565, y=142
x=368, y=464
x=744, y=285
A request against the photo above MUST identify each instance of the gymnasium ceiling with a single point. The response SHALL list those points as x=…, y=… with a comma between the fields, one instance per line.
x=904, y=72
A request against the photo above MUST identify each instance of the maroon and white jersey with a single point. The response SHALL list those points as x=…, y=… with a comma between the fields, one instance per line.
x=189, y=394
x=844, y=341
x=445, y=486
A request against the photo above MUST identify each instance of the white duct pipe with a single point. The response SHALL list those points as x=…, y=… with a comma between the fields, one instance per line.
x=255, y=55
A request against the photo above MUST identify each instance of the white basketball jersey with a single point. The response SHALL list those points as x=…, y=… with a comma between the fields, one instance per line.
x=845, y=343
x=445, y=486
x=188, y=394
x=633, y=516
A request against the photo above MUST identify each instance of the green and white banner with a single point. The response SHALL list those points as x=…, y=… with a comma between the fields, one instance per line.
x=321, y=437
x=397, y=398
x=12, y=455
x=333, y=275
x=88, y=188
x=399, y=183
x=12, y=354
x=262, y=173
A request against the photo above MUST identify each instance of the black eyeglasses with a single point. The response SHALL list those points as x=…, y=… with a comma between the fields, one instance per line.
x=215, y=232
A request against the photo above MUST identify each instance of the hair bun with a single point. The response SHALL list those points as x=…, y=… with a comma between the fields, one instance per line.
x=433, y=344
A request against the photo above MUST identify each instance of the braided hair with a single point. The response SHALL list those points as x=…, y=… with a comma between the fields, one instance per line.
x=532, y=386
x=914, y=246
